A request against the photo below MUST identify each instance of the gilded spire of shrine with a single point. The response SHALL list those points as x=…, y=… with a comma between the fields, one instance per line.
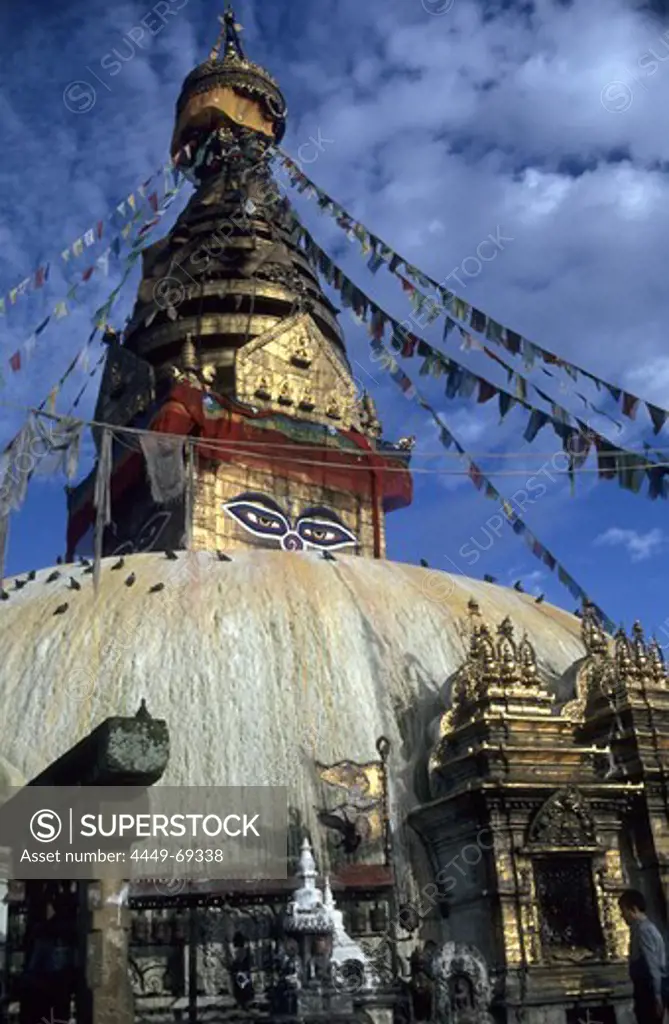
x=229, y=34
x=231, y=325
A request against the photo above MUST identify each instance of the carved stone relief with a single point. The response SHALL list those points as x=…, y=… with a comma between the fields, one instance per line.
x=463, y=990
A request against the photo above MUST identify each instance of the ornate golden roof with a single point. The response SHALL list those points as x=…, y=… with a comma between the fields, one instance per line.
x=612, y=671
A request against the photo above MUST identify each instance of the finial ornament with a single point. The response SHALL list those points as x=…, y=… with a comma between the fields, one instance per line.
x=592, y=634
x=658, y=667
x=230, y=29
x=624, y=655
x=639, y=647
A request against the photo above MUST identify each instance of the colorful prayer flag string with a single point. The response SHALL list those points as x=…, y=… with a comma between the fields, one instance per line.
x=61, y=309
x=483, y=484
x=627, y=467
x=90, y=237
x=454, y=308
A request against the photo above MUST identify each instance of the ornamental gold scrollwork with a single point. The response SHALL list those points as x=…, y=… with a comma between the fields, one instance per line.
x=564, y=821
x=616, y=936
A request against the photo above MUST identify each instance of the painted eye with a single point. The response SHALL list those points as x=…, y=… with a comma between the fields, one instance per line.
x=261, y=522
x=264, y=522
x=319, y=535
x=322, y=534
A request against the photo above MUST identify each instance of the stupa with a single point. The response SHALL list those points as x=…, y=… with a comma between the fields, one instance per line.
x=244, y=591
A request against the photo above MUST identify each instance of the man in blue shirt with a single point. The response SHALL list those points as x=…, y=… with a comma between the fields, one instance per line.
x=647, y=959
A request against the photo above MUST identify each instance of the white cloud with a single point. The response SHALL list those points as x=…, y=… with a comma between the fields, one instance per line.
x=639, y=545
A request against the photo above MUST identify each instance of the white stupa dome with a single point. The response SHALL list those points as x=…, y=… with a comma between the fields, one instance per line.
x=260, y=665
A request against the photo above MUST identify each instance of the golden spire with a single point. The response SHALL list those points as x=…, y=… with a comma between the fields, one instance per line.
x=188, y=356
x=624, y=655
x=229, y=32
x=658, y=667
x=639, y=648
x=507, y=653
x=592, y=635
x=527, y=657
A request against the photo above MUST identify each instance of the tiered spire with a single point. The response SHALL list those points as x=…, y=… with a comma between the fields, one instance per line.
x=307, y=912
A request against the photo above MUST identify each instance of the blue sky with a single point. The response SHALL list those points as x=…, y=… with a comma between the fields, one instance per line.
x=443, y=122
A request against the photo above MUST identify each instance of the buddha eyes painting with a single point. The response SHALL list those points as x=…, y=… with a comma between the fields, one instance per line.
x=315, y=528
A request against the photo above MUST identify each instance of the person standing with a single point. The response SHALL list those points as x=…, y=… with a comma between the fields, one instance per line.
x=647, y=959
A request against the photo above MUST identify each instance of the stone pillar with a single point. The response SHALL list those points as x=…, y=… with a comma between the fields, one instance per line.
x=109, y=994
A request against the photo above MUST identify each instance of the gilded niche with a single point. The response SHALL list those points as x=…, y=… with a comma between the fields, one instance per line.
x=293, y=366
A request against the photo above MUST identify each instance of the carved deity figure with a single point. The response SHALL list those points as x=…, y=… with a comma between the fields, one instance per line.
x=421, y=985
x=285, y=394
x=462, y=986
x=334, y=410
x=463, y=1009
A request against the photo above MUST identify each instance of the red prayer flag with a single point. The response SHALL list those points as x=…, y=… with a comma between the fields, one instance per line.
x=153, y=200
x=409, y=345
x=475, y=475
x=630, y=405
x=15, y=362
x=486, y=391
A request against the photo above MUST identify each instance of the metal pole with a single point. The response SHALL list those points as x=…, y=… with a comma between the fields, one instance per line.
x=192, y=965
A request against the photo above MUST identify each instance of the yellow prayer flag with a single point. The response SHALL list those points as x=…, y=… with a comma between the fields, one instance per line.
x=460, y=308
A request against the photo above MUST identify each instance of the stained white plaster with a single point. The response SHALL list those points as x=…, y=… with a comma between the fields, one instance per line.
x=259, y=665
